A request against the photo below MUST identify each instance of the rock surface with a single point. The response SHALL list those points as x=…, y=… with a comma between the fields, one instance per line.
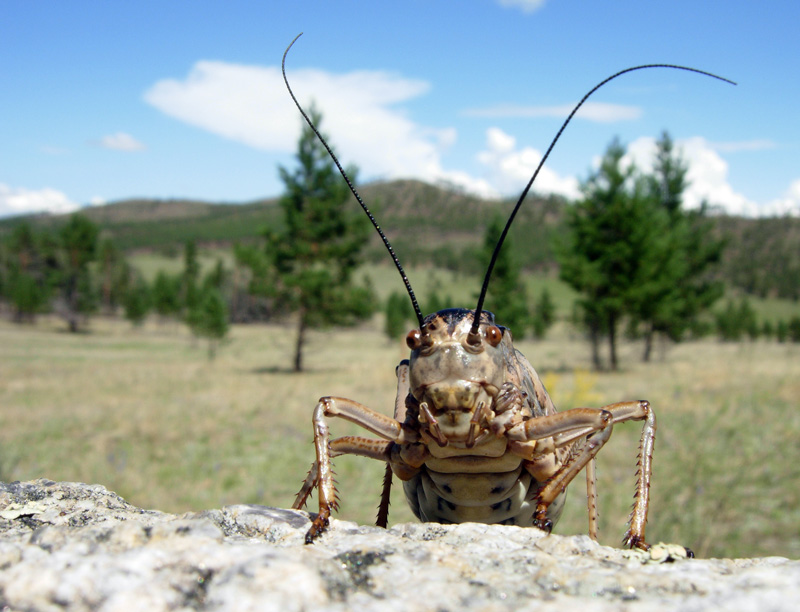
x=80, y=547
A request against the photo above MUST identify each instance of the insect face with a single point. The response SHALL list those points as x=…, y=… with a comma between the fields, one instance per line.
x=453, y=375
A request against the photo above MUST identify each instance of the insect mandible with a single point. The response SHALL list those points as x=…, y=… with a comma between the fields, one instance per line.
x=475, y=435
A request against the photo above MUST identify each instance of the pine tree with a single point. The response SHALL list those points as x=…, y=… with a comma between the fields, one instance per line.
x=253, y=283
x=781, y=331
x=217, y=276
x=78, y=248
x=190, y=277
x=25, y=279
x=398, y=314
x=507, y=296
x=678, y=288
x=166, y=295
x=608, y=254
x=793, y=329
x=114, y=273
x=544, y=314
x=314, y=255
x=736, y=321
x=137, y=300
x=209, y=318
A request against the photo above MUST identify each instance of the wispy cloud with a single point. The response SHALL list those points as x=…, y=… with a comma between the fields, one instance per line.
x=526, y=6
x=53, y=150
x=21, y=201
x=592, y=111
x=744, y=145
x=120, y=142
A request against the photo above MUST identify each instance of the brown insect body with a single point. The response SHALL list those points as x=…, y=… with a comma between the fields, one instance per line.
x=462, y=400
x=475, y=436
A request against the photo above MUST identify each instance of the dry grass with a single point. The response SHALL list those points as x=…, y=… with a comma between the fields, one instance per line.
x=144, y=413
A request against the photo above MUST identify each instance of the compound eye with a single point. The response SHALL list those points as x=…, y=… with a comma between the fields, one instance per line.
x=493, y=335
x=414, y=339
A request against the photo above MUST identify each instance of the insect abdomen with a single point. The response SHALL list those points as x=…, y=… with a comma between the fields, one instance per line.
x=507, y=498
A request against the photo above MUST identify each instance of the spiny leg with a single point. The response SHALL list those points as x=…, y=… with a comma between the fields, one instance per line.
x=638, y=519
x=383, y=507
x=321, y=474
x=639, y=411
x=348, y=445
x=308, y=485
x=382, y=425
x=571, y=425
x=561, y=479
x=591, y=497
x=372, y=449
x=326, y=489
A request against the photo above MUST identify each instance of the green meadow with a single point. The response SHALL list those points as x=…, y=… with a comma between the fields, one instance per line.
x=145, y=413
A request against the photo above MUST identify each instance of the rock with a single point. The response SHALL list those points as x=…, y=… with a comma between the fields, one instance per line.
x=80, y=547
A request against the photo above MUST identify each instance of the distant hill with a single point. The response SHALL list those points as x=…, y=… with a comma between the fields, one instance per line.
x=144, y=224
x=434, y=225
x=423, y=221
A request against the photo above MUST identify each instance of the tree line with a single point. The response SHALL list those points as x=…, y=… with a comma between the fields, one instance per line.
x=75, y=273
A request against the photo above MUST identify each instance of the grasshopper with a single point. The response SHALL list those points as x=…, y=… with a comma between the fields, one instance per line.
x=475, y=435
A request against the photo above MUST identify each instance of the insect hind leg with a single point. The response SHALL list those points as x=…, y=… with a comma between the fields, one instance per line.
x=308, y=486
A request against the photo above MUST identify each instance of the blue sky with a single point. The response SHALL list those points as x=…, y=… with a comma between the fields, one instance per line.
x=110, y=100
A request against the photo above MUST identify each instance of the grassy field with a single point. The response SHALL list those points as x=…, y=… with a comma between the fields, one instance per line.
x=144, y=413
x=463, y=290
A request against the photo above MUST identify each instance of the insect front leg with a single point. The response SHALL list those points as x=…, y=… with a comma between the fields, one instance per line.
x=321, y=473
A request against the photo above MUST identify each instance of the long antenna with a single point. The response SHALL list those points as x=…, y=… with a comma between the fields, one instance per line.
x=485, y=287
x=347, y=180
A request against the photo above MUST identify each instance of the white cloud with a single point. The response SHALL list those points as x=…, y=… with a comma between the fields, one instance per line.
x=249, y=104
x=788, y=204
x=526, y=6
x=707, y=176
x=510, y=169
x=454, y=179
x=120, y=142
x=600, y=112
x=708, y=180
x=21, y=201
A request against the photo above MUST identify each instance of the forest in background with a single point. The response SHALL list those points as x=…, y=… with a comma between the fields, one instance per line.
x=432, y=225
